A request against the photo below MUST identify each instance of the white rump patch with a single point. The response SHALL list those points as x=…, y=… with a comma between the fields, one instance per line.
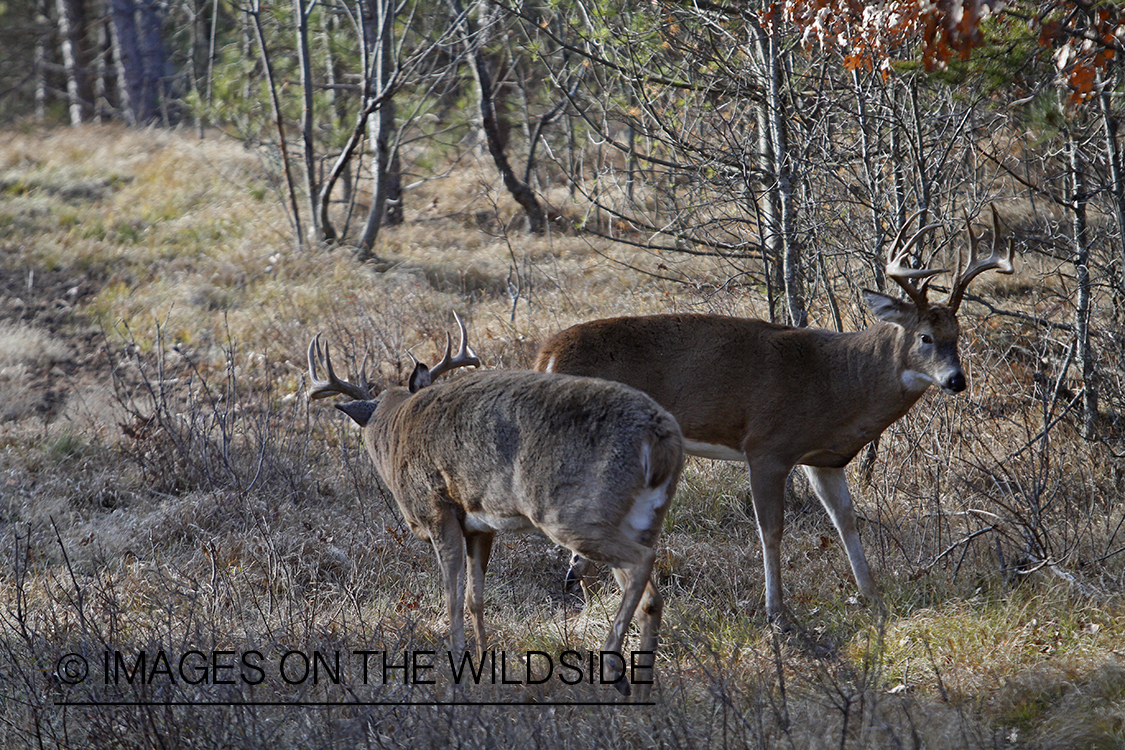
x=645, y=505
x=649, y=500
x=710, y=450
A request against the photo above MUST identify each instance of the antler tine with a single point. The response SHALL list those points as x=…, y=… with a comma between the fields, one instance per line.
x=902, y=231
x=330, y=385
x=999, y=260
x=902, y=274
x=363, y=379
x=466, y=357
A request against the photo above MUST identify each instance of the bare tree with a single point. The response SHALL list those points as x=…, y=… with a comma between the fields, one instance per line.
x=698, y=112
x=472, y=34
x=1111, y=123
x=777, y=201
x=140, y=59
x=319, y=231
x=386, y=187
x=255, y=14
x=1077, y=201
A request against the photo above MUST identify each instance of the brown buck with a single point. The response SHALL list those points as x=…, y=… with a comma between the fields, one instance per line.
x=775, y=396
x=589, y=463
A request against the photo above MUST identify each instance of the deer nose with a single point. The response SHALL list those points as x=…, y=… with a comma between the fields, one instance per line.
x=955, y=383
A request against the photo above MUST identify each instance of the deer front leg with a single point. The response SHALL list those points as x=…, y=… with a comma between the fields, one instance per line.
x=831, y=487
x=767, y=488
x=580, y=572
x=479, y=548
x=449, y=545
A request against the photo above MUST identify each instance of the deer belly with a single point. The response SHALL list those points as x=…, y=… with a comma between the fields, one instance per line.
x=826, y=459
x=486, y=522
x=710, y=450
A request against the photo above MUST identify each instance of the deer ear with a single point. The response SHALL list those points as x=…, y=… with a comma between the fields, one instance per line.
x=889, y=309
x=420, y=378
x=359, y=411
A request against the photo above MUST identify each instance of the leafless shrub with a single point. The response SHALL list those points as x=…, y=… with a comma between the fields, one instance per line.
x=189, y=426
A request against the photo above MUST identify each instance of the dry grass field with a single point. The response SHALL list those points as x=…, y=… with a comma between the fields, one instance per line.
x=166, y=489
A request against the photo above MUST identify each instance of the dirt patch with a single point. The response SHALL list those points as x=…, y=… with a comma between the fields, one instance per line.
x=47, y=301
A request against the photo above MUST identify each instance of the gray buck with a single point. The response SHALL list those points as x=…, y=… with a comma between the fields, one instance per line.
x=591, y=464
x=775, y=396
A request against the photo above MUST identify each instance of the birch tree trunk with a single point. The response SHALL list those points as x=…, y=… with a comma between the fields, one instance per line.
x=43, y=20
x=1117, y=182
x=778, y=201
x=127, y=60
x=1078, y=201
x=872, y=175
x=76, y=59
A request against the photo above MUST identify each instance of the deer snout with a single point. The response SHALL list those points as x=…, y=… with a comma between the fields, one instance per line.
x=954, y=382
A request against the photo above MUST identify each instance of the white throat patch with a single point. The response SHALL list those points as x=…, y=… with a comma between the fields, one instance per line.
x=912, y=380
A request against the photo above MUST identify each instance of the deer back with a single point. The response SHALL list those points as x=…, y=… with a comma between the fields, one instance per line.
x=745, y=384
x=561, y=452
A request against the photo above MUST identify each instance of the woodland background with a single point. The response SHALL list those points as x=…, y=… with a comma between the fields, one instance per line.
x=190, y=190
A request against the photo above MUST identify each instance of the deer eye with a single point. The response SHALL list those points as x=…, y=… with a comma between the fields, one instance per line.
x=926, y=338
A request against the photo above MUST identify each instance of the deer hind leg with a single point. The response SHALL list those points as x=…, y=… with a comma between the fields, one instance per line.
x=649, y=612
x=449, y=545
x=831, y=487
x=767, y=488
x=635, y=582
x=479, y=548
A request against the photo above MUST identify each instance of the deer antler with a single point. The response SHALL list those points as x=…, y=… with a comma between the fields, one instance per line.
x=903, y=275
x=423, y=376
x=1000, y=261
x=332, y=384
x=466, y=357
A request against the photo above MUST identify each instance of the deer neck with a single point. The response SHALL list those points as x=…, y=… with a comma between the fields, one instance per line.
x=380, y=434
x=882, y=354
